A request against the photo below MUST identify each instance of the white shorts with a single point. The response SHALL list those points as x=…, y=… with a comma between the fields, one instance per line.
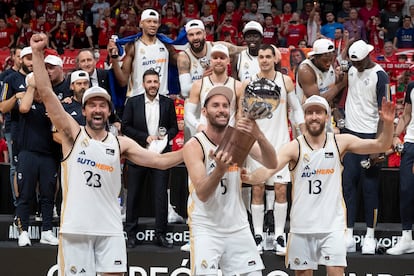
x=307, y=251
x=234, y=253
x=87, y=255
x=282, y=176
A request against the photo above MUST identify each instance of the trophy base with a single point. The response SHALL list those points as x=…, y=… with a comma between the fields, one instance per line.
x=237, y=144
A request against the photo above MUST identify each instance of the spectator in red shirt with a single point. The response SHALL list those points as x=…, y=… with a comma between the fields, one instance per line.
x=270, y=33
x=52, y=17
x=131, y=25
x=42, y=26
x=61, y=38
x=190, y=13
x=227, y=31
x=295, y=32
x=367, y=12
x=213, y=4
x=6, y=35
x=69, y=16
x=14, y=22
x=171, y=21
x=82, y=34
x=107, y=27
x=233, y=14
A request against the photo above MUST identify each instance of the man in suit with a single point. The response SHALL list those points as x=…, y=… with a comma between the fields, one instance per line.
x=86, y=61
x=144, y=114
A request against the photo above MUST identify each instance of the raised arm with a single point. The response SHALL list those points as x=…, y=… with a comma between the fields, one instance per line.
x=63, y=122
x=143, y=157
x=123, y=72
x=288, y=154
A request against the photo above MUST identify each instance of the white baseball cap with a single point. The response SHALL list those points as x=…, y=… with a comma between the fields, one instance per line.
x=253, y=26
x=54, y=60
x=359, y=50
x=219, y=90
x=194, y=24
x=322, y=46
x=79, y=75
x=149, y=14
x=220, y=48
x=316, y=100
x=95, y=91
x=25, y=51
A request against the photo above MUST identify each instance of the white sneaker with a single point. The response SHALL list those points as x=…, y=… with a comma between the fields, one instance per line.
x=350, y=244
x=173, y=217
x=186, y=247
x=403, y=246
x=47, y=237
x=280, y=246
x=369, y=246
x=24, y=239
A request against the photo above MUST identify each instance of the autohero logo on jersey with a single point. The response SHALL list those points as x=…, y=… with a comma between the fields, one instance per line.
x=92, y=163
x=308, y=172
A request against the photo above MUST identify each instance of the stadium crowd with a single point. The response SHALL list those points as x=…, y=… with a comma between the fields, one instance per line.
x=186, y=48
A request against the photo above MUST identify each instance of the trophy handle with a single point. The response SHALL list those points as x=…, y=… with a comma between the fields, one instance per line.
x=237, y=144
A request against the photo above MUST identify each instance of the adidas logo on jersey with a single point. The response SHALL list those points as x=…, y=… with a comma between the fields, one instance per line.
x=82, y=152
x=73, y=113
x=329, y=155
x=110, y=151
x=22, y=86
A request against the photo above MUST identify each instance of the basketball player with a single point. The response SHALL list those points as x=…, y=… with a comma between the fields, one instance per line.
x=194, y=62
x=318, y=215
x=276, y=201
x=220, y=60
x=91, y=233
x=145, y=53
x=316, y=75
x=220, y=233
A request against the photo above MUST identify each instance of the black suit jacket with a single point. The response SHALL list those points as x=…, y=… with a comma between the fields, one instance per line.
x=134, y=123
x=103, y=79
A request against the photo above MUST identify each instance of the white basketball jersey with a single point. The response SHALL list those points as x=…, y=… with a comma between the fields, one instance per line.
x=247, y=65
x=275, y=129
x=91, y=181
x=224, y=211
x=317, y=200
x=207, y=85
x=323, y=79
x=154, y=56
x=196, y=70
x=361, y=106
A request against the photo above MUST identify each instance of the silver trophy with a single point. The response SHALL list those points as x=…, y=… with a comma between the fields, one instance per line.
x=204, y=62
x=261, y=97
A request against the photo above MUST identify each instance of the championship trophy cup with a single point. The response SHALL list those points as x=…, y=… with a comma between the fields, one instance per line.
x=261, y=97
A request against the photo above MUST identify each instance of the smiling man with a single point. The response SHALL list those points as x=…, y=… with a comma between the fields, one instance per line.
x=91, y=234
x=317, y=217
x=316, y=75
